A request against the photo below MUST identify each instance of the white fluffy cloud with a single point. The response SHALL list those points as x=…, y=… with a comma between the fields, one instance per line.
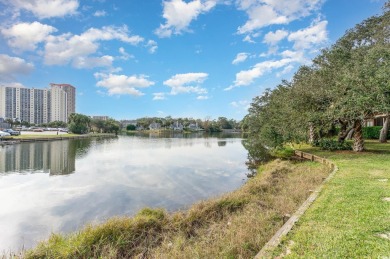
x=123, y=84
x=60, y=50
x=272, y=38
x=202, y=97
x=124, y=54
x=100, y=13
x=241, y=57
x=13, y=84
x=158, y=96
x=152, y=45
x=248, y=39
x=46, y=8
x=179, y=14
x=11, y=66
x=304, y=41
x=111, y=33
x=187, y=83
x=262, y=13
x=247, y=77
x=261, y=16
x=315, y=34
x=26, y=36
x=91, y=62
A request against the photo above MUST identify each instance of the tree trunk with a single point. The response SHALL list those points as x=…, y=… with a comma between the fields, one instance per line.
x=350, y=133
x=384, y=130
x=343, y=131
x=312, y=134
x=358, y=141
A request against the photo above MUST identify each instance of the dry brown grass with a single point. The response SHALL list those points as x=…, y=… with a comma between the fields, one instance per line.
x=235, y=225
x=278, y=190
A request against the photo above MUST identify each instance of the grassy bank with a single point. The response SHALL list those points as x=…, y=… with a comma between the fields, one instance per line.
x=235, y=225
x=37, y=135
x=350, y=218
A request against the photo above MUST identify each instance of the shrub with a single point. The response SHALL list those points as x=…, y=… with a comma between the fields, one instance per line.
x=331, y=145
x=130, y=127
x=283, y=153
x=373, y=132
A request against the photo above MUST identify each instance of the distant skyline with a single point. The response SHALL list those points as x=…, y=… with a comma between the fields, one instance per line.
x=199, y=58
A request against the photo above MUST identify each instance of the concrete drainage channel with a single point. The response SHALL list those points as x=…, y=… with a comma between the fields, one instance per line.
x=267, y=249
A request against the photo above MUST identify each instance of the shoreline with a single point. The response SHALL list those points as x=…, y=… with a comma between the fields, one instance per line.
x=159, y=233
x=12, y=140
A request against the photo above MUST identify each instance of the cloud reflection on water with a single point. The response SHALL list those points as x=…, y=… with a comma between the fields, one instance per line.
x=116, y=177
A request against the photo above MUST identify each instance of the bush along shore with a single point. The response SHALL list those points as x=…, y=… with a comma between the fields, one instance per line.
x=235, y=225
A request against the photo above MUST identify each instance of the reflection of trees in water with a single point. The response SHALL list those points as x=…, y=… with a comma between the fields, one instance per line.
x=79, y=147
x=221, y=143
x=179, y=134
x=257, y=155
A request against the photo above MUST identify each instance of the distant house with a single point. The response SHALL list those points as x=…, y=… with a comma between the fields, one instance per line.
x=103, y=118
x=155, y=126
x=194, y=127
x=140, y=127
x=177, y=126
x=376, y=120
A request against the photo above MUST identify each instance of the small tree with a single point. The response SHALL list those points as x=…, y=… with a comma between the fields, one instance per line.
x=79, y=123
x=111, y=126
x=130, y=127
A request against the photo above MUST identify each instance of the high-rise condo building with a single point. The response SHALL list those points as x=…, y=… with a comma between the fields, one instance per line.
x=70, y=96
x=38, y=105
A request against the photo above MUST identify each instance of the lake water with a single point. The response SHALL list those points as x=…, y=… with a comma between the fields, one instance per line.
x=60, y=186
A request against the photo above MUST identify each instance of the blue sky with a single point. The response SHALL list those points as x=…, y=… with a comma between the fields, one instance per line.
x=179, y=58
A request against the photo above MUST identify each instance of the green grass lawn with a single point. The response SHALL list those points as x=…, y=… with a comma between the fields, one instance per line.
x=38, y=136
x=349, y=216
x=34, y=136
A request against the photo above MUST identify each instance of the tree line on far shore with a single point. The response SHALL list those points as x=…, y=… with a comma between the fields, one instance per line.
x=82, y=124
x=346, y=84
x=208, y=124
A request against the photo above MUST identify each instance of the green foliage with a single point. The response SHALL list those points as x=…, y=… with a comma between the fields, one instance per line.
x=332, y=145
x=152, y=213
x=207, y=124
x=283, y=153
x=79, y=123
x=131, y=127
x=347, y=83
x=224, y=123
x=105, y=126
x=373, y=132
x=111, y=126
x=57, y=124
x=78, y=128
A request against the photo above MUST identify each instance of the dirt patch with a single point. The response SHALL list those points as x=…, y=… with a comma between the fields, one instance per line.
x=377, y=173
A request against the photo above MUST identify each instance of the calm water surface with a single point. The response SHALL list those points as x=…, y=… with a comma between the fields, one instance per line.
x=60, y=186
